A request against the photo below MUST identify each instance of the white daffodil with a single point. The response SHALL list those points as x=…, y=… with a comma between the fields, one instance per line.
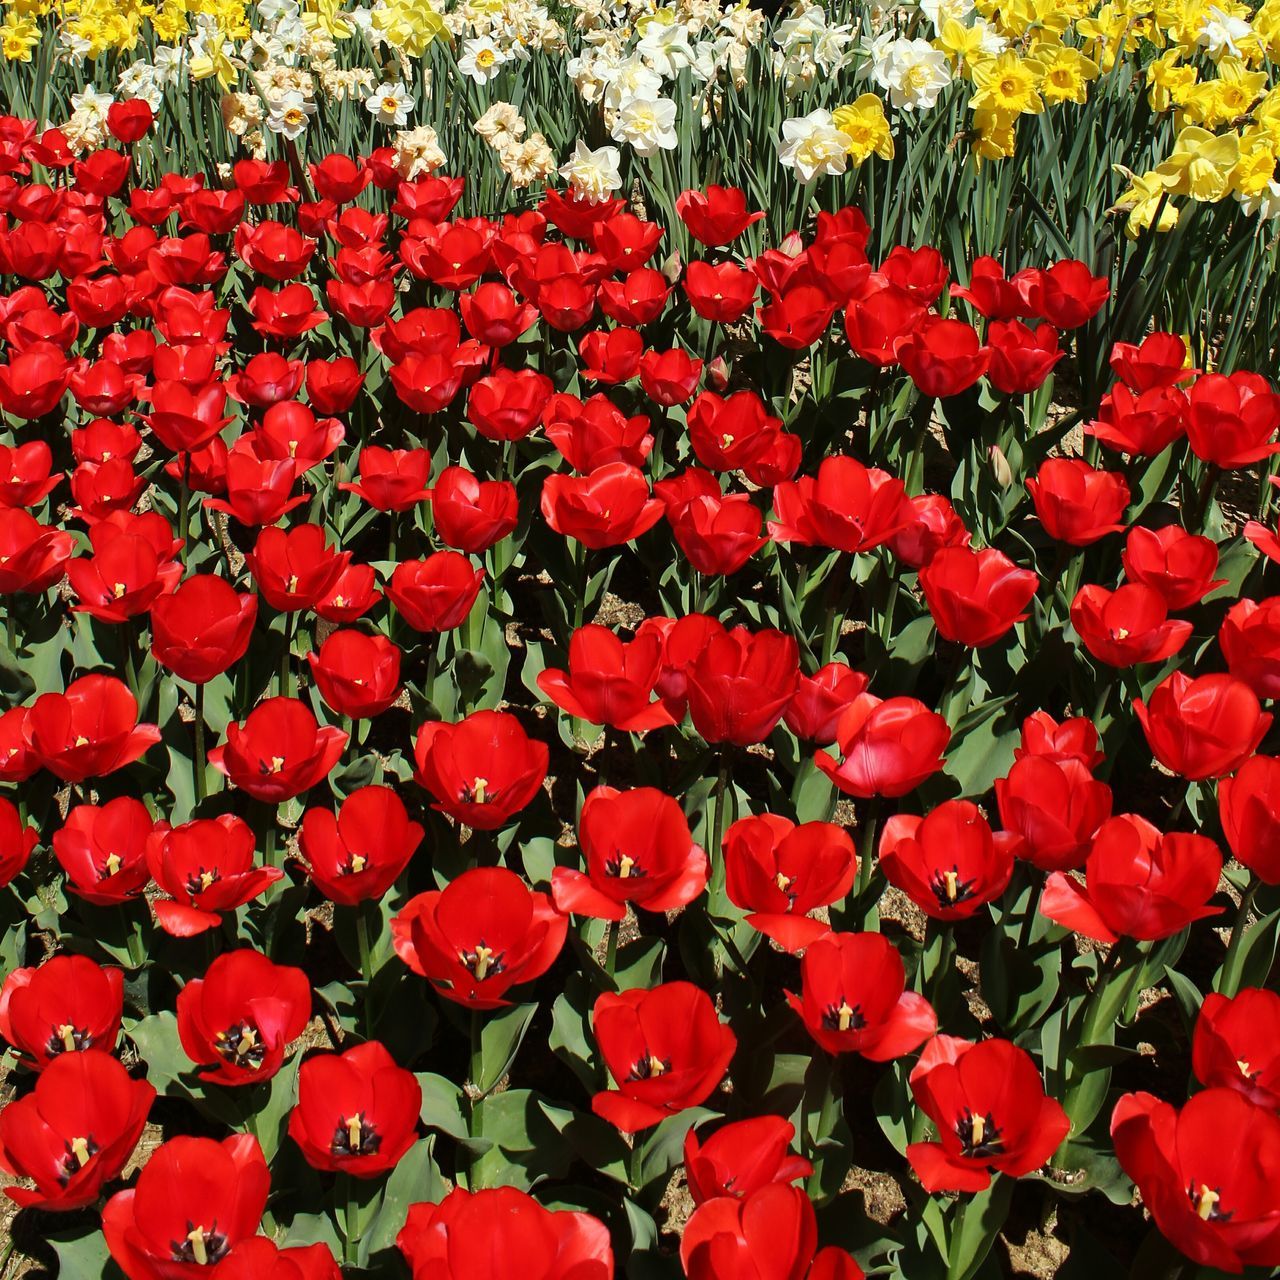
x=913, y=72
x=648, y=124
x=812, y=145
x=593, y=175
x=481, y=59
x=289, y=114
x=390, y=104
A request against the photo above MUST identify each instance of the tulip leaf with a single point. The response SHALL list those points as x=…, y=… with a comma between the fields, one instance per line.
x=500, y=1042
x=83, y=1254
x=526, y=1143
x=663, y=1149
x=442, y=1105
x=416, y=1179
x=974, y=1227
x=570, y=1036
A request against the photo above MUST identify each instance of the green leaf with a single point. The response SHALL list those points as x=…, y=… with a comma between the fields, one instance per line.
x=442, y=1105
x=975, y=1227
x=500, y=1042
x=415, y=1180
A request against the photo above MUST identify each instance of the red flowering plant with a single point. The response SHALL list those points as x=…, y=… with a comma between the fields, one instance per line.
x=505, y=702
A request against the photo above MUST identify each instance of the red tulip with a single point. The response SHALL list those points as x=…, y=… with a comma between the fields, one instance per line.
x=1076, y=503
x=1021, y=358
x=357, y=1112
x=779, y=872
x=1138, y=883
x=206, y=867
x=1126, y=626
x=1159, y=360
x=943, y=357
x=1249, y=806
x=717, y=533
x=194, y=1201
x=1236, y=1045
x=637, y=300
x=1177, y=564
x=184, y=419
x=1066, y=294
x=286, y=313
x=33, y=556
x=483, y=934
x=933, y=524
x=772, y=1234
x=34, y=381
x=74, y=1132
x=594, y=433
x=1203, y=727
x=989, y=292
x=821, y=699
x=435, y=594
x=25, y=479
x=357, y=855
x=847, y=507
x=332, y=385
x=1073, y=739
x=887, y=746
x=295, y=569
x=239, y=1019
x=854, y=999
x=1206, y=1174
x=1232, y=419
x=90, y=730
x=1141, y=425
x=638, y=849
x=279, y=752
x=66, y=1005
x=508, y=404
x=472, y=514
x=741, y=683
x=609, y=682
x=879, y=322
x=797, y=317
x=1251, y=644
x=666, y=1050
x=129, y=121
x=124, y=577
x=737, y=433
x=258, y=1258
x=103, y=850
x=715, y=216
x=503, y=1234
x=610, y=506
x=610, y=356
x=16, y=842
x=202, y=628
x=975, y=597
x=392, y=479
x=719, y=291
x=358, y=675
x=948, y=863
x=741, y=1157
x=1055, y=806
x=991, y=1113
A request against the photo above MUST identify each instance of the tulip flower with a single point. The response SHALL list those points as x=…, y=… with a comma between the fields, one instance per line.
x=493, y=315
x=715, y=216
x=721, y=291
x=1249, y=807
x=25, y=474
x=1073, y=739
x=1204, y=1174
x=718, y=533
x=357, y=1112
x=887, y=746
x=481, y=770
x=737, y=433
x=1202, y=727
x=819, y=701
x=1250, y=640
x=1138, y=883
x=1066, y=294
x=90, y=730
x=259, y=1258
x=933, y=524
x=481, y=935
x=194, y=1201
x=975, y=597
x=202, y=628
x=741, y=1157
x=1077, y=503
x=948, y=863
x=1232, y=419
x=472, y=514
x=1141, y=425
x=847, y=507
x=772, y=1232
x=741, y=683
x=1128, y=625
x=74, y=1132
x=509, y=403
x=103, y=850
x=66, y=1005
x=943, y=357
x=638, y=849
x=779, y=871
x=666, y=1050
x=1054, y=806
x=1236, y=1044
x=358, y=675
x=16, y=842
x=33, y=556
x=358, y=854
x=206, y=867
x=854, y=999
x=990, y=1110
x=295, y=569
x=480, y=1235
x=237, y=1021
x=279, y=752
x=1177, y=564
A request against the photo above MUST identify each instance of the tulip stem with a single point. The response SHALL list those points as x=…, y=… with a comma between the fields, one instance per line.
x=366, y=965
x=1229, y=975
x=718, y=821
x=580, y=582
x=946, y=958
x=612, y=929
x=184, y=503
x=867, y=845
x=351, y=1220
x=635, y=1174
x=198, y=763
x=286, y=656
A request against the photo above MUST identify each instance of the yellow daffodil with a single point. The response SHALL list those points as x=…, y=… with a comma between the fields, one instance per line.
x=1066, y=73
x=1200, y=164
x=863, y=120
x=18, y=36
x=1007, y=85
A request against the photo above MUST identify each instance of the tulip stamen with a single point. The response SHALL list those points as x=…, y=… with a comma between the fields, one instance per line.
x=949, y=889
x=980, y=1136
x=1244, y=1069
x=110, y=867
x=483, y=961
x=201, y=1246
x=1205, y=1202
x=477, y=792
x=650, y=1067
x=355, y=1136
x=70, y=1038
x=624, y=867
x=843, y=1017
x=355, y=865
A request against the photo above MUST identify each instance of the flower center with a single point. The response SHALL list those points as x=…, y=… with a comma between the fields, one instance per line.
x=949, y=889
x=355, y=1136
x=979, y=1136
x=239, y=1045
x=843, y=1017
x=201, y=1246
x=68, y=1038
x=650, y=1067
x=483, y=961
x=1205, y=1202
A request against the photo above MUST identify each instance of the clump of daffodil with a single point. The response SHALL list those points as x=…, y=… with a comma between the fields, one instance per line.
x=863, y=122
x=1147, y=203
x=408, y=25
x=19, y=34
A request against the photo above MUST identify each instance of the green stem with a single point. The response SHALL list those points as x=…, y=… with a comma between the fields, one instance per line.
x=366, y=965
x=1229, y=975
x=286, y=657
x=199, y=762
x=946, y=958
x=184, y=503
x=635, y=1164
x=612, y=929
x=350, y=1221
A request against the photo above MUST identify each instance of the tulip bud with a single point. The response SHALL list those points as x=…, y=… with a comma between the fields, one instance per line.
x=1000, y=467
x=792, y=245
x=716, y=374
x=672, y=267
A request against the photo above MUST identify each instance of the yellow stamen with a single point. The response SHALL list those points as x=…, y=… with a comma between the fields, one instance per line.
x=80, y=1149
x=952, y=881
x=199, y=1254
x=624, y=867
x=67, y=1034
x=1205, y=1202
